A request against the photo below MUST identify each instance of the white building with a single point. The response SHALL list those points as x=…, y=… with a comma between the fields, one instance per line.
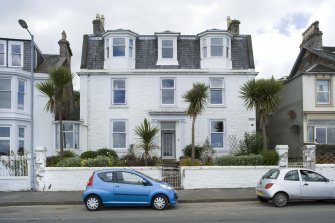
x=15, y=95
x=126, y=77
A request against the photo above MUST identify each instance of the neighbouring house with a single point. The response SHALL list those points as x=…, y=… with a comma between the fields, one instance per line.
x=126, y=77
x=306, y=113
x=16, y=97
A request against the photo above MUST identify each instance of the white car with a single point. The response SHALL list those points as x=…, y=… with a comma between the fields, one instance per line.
x=282, y=185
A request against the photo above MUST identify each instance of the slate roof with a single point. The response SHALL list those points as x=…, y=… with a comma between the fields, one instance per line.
x=188, y=53
x=51, y=60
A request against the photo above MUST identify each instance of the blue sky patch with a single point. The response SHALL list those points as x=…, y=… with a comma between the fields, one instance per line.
x=298, y=21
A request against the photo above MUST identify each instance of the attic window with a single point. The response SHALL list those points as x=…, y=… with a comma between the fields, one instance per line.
x=216, y=47
x=167, y=48
x=118, y=47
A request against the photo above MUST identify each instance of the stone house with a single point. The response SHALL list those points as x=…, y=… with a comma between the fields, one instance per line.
x=126, y=77
x=306, y=113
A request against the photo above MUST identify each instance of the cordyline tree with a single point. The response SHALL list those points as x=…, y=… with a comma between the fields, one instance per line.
x=262, y=95
x=197, y=98
x=57, y=90
x=146, y=134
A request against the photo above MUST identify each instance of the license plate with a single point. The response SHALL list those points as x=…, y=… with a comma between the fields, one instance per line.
x=259, y=193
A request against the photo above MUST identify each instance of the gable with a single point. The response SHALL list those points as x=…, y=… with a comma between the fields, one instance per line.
x=321, y=68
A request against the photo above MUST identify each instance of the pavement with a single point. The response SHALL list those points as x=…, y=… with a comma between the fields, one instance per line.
x=74, y=197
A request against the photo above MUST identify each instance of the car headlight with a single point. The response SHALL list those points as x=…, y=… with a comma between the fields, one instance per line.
x=166, y=187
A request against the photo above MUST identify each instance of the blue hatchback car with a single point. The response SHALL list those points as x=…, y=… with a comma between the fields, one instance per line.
x=127, y=187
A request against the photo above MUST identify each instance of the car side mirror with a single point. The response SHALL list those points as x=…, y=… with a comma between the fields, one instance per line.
x=145, y=182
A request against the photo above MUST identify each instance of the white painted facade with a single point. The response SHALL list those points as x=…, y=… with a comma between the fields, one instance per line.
x=143, y=100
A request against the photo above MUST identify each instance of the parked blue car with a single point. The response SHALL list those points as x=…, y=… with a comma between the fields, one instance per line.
x=127, y=187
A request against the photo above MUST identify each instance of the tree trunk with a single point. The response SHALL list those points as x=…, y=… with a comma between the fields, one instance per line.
x=146, y=158
x=61, y=151
x=193, y=144
x=262, y=125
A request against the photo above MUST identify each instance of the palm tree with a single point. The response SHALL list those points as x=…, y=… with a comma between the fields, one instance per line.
x=57, y=90
x=146, y=133
x=197, y=98
x=262, y=95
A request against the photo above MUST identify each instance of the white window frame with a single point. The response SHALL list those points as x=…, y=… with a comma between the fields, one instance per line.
x=10, y=91
x=75, y=133
x=21, y=107
x=10, y=44
x=168, y=88
x=329, y=92
x=167, y=61
x=217, y=45
x=124, y=45
x=204, y=48
x=5, y=53
x=222, y=88
x=7, y=138
x=223, y=133
x=227, y=48
x=21, y=138
x=125, y=133
x=314, y=129
x=125, y=89
x=107, y=48
x=131, y=48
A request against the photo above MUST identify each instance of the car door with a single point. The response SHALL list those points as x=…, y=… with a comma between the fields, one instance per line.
x=315, y=186
x=106, y=186
x=292, y=184
x=129, y=189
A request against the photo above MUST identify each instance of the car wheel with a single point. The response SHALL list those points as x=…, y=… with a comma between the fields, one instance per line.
x=93, y=203
x=159, y=202
x=262, y=199
x=280, y=199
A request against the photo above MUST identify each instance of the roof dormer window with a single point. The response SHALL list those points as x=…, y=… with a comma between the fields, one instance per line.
x=119, y=47
x=216, y=47
x=167, y=48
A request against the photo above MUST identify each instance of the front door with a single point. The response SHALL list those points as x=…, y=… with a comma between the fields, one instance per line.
x=168, y=141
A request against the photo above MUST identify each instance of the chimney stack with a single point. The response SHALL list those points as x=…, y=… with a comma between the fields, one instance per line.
x=312, y=37
x=98, y=24
x=233, y=26
x=65, y=50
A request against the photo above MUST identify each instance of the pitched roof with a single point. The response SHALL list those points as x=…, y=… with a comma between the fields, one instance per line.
x=51, y=60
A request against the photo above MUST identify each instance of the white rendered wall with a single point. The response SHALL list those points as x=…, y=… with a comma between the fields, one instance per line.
x=143, y=96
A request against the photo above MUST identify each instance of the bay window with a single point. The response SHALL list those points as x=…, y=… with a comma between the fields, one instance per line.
x=217, y=47
x=4, y=140
x=21, y=94
x=119, y=47
x=70, y=135
x=5, y=93
x=3, y=53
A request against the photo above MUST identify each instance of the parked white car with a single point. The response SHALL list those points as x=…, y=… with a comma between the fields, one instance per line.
x=282, y=185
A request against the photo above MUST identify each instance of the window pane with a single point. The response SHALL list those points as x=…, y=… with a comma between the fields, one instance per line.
x=68, y=140
x=320, y=135
x=216, y=97
x=118, y=51
x=119, y=97
x=119, y=126
x=119, y=84
x=4, y=132
x=217, y=126
x=131, y=42
x=216, y=41
x=167, y=53
x=168, y=125
x=21, y=86
x=118, y=41
x=217, y=140
x=322, y=85
x=21, y=144
x=310, y=130
x=5, y=84
x=20, y=100
x=129, y=178
x=331, y=136
x=4, y=147
x=67, y=127
x=16, y=49
x=168, y=83
x=2, y=48
x=216, y=50
x=119, y=140
x=167, y=96
x=5, y=99
x=323, y=97
x=167, y=43
x=292, y=176
x=21, y=132
x=216, y=83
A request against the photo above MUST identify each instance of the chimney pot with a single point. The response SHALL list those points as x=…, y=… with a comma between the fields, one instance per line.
x=312, y=37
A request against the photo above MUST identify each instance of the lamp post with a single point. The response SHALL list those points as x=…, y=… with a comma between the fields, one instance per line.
x=24, y=25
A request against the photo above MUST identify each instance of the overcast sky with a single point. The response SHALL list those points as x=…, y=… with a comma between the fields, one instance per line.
x=275, y=25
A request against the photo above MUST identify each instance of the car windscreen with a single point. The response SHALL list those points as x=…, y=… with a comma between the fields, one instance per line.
x=271, y=174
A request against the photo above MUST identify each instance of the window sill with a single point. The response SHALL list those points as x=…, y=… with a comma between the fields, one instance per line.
x=324, y=105
x=167, y=62
x=119, y=106
x=216, y=106
x=168, y=106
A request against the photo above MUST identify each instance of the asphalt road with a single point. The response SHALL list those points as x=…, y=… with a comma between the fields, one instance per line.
x=236, y=212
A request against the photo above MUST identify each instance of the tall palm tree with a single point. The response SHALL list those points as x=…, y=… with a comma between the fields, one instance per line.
x=57, y=90
x=197, y=98
x=146, y=133
x=262, y=95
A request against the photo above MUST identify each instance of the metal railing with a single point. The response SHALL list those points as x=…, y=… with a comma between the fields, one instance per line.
x=13, y=165
x=172, y=176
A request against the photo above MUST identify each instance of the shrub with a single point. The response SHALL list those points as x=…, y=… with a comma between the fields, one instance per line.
x=69, y=162
x=88, y=155
x=187, y=161
x=88, y=162
x=252, y=143
x=101, y=161
x=251, y=160
x=52, y=161
x=198, y=150
x=106, y=152
x=68, y=153
x=270, y=157
x=21, y=151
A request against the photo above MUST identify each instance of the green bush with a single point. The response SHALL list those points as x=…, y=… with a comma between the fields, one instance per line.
x=106, y=152
x=52, y=161
x=101, y=161
x=68, y=154
x=88, y=155
x=270, y=157
x=252, y=143
x=198, y=150
x=251, y=160
x=69, y=162
x=187, y=161
x=87, y=162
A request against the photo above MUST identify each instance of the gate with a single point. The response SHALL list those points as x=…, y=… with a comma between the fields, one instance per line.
x=172, y=176
x=13, y=166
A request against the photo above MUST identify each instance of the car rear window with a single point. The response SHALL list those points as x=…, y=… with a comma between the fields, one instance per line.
x=106, y=176
x=271, y=174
